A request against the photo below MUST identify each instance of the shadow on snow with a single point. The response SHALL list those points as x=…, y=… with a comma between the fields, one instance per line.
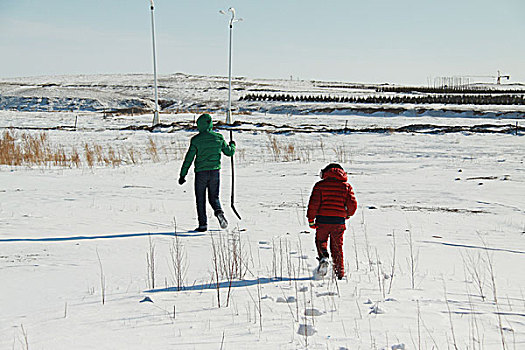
x=226, y=284
x=82, y=238
x=457, y=245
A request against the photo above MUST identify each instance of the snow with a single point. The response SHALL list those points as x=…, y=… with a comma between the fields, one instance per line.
x=184, y=92
x=451, y=204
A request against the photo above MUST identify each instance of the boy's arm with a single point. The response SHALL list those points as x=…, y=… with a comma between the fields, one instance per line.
x=228, y=149
x=188, y=159
x=351, y=202
x=313, y=204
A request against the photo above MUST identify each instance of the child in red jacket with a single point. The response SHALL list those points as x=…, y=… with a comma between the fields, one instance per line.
x=332, y=202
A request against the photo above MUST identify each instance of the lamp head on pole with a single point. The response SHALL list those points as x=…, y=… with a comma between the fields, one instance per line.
x=232, y=19
x=152, y=5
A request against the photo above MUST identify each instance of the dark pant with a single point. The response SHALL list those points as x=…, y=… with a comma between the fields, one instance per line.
x=335, y=233
x=207, y=180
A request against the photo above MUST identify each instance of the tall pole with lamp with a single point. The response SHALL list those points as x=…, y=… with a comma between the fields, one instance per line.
x=156, y=113
x=229, y=119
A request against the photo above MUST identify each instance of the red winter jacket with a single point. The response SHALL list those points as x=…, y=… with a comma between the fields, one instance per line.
x=331, y=198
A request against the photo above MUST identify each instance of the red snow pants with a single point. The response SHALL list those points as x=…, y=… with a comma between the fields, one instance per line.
x=335, y=233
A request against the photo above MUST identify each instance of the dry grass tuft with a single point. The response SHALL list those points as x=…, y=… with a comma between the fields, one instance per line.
x=34, y=150
x=152, y=150
x=282, y=151
x=287, y=151
x=30, y=149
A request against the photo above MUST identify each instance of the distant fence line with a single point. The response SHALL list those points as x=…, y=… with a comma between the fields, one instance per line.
x=431, y=99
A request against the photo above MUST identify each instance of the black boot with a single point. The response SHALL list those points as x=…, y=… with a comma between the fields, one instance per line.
x=322, y=269
x=201, y=228
x=222, y=220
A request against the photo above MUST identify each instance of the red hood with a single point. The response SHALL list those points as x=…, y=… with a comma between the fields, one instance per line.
x=335, y=173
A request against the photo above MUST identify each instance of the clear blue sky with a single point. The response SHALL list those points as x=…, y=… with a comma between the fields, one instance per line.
x=397, y=41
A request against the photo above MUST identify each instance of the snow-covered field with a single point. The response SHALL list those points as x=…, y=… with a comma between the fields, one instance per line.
x=435, y=253
x=185, y=92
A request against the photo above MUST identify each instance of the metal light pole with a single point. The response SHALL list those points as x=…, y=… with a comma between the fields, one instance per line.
x=229, y=119
x=232, y=20
x=156, y=113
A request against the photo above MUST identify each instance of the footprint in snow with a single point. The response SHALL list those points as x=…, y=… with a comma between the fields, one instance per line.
x=324, y=294
x=376, y=310
x=306, y=330
x=313, y=312
x=264, y=245
x=287, y=300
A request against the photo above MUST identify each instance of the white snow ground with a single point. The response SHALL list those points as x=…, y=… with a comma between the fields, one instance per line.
x=184, y=92
x=455, y=200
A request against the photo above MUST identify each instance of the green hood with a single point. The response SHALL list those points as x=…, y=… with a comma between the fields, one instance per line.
x=204, y=123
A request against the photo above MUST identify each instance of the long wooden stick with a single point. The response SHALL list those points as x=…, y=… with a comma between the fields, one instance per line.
x=233, y=183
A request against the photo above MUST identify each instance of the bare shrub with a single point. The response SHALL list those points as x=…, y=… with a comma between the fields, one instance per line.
x=36, y=149
x=30, y=150
x=229, y=261
x=450, y=317
x=413, y=259
x=102, y=280
x=321, y=146
x=178, y=261
x=367, y=244
x=216, y=263
x=150, y=261
x=474, y=267
x=492, y=275
x=178, y=150
x=59, y=158
x=132, y=155
x=114, y=158
x=151, y=149
x=393, y=265
x=355, y=249
x=381, y=276
x=89, y=155
x=25, y=338
x=9, y=152
x=99, y=153
x=75, y=158
x=341, y=153
x=274, y=146
x=288, y=152
x=240, y=154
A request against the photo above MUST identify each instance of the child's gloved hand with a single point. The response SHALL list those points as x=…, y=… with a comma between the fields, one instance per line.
x=312, y=224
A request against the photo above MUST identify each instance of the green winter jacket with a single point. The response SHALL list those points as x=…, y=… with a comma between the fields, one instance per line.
x=206, y=148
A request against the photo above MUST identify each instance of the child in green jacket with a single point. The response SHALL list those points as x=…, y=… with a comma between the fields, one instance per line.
x=206, y=148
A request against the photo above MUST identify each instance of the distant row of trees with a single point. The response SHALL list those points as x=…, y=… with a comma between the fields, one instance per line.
x=427, y=99
x=448, y=90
